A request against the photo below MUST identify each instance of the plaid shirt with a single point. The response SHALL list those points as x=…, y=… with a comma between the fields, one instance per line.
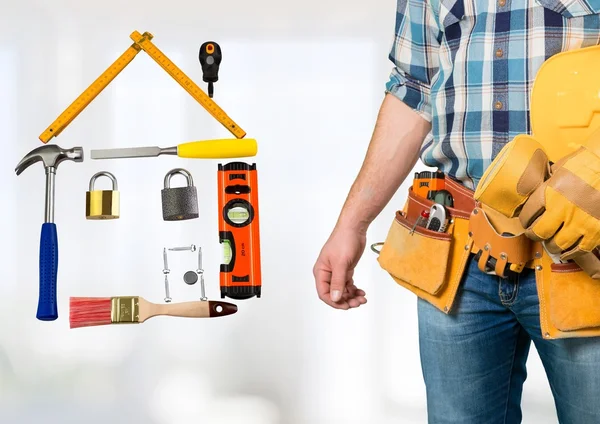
x=468, y=66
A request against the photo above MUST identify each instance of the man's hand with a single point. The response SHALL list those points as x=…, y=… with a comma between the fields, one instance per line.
x=334, y=269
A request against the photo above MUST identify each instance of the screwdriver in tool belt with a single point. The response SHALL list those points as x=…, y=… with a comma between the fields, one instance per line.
x=420, y=220
x=220, y=148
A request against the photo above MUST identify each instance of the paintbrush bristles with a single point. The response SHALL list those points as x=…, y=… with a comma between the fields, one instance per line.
x=89, y=311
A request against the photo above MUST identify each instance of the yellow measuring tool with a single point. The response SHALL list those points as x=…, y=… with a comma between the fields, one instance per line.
x=141, y=42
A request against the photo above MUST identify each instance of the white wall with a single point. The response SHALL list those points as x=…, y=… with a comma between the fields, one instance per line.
x=303, y=78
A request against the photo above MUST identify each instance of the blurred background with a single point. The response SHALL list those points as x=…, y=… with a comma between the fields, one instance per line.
x=303, y=78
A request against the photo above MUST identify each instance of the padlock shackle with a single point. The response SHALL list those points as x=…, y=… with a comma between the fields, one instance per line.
x=115, y=186
x=181, y=171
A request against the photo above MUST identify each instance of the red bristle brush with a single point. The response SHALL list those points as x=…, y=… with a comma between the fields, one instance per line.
x=93, y=311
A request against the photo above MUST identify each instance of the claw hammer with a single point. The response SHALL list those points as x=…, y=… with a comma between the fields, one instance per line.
x=51, y=156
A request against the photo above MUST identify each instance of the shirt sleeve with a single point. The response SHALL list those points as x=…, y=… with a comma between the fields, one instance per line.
x=415, y=55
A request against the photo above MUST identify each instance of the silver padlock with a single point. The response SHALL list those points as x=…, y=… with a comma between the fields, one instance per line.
x=179, y=203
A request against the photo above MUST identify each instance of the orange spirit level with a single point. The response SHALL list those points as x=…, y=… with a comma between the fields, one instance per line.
x=240, y=273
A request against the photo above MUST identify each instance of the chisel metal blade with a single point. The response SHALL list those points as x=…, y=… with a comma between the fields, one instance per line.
x=129, y=152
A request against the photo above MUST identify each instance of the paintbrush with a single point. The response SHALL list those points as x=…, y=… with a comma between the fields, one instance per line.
x=93, y=311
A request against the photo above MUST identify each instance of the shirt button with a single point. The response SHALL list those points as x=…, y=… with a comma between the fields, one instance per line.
x=502, y=3
x=498, y=105
x=499, y=53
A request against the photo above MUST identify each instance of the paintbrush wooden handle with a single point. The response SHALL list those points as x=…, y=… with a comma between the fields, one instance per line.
x=195, y=309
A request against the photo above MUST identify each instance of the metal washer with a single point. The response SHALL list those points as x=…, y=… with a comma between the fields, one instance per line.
x=190, y=277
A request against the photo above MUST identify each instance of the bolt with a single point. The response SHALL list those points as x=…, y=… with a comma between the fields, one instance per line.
x=179, y=249
x=167, y=294
x=200, y=272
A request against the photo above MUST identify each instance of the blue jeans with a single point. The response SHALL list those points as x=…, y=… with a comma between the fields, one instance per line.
x=473, y=359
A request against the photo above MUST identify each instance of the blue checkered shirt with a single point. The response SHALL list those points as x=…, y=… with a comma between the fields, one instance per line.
x=468, y=66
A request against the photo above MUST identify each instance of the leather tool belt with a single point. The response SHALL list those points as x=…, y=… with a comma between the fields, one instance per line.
x=499, y=245
x=431, y=264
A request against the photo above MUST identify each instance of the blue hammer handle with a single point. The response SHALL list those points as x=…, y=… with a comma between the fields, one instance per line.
x=47, y=303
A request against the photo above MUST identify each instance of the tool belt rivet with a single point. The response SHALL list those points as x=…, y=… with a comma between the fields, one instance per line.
x=486, y=247
x=538, y=267
x=475, y=211
x=503, y=255
x=466, y=247
x=538, y=255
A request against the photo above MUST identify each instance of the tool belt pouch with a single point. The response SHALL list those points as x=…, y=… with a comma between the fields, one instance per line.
x=569, y=299
x=500, y=243
x=428, y=263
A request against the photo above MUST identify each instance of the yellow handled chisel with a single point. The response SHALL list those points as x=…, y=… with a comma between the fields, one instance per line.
x=207, y=149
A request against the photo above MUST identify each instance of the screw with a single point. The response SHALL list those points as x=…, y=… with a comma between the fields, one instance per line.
x=179, y=249
x=200, y=272
x=167, y=294
x=166, y=272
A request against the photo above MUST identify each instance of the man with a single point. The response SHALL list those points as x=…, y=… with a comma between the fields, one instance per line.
x=458, y=92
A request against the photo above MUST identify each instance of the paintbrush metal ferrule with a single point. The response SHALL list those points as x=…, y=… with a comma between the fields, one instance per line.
x=125, y=310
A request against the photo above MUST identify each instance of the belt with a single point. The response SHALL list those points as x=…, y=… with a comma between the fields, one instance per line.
x=500, y=246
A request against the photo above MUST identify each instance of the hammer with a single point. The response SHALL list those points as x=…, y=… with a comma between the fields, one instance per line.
x=51, y=155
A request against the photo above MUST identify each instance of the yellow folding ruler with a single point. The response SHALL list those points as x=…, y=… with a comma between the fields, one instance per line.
x=141, y=42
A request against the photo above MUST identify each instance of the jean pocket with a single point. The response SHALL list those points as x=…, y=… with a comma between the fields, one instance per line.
x=571, y=8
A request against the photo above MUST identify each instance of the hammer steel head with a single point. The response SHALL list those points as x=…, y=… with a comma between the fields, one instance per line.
x=51, y=155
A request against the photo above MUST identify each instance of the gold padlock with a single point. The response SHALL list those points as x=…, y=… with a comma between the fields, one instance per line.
x=102, y=204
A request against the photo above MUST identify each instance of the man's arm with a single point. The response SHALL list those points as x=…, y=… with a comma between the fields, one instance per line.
x=402, y=125
x=391, y=155
x=404, y=116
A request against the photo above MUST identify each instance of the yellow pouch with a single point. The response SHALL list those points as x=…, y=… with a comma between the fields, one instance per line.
x=569, y=300
x=430, y=264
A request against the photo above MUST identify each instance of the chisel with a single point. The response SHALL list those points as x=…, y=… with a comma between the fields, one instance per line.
x=207, y=149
